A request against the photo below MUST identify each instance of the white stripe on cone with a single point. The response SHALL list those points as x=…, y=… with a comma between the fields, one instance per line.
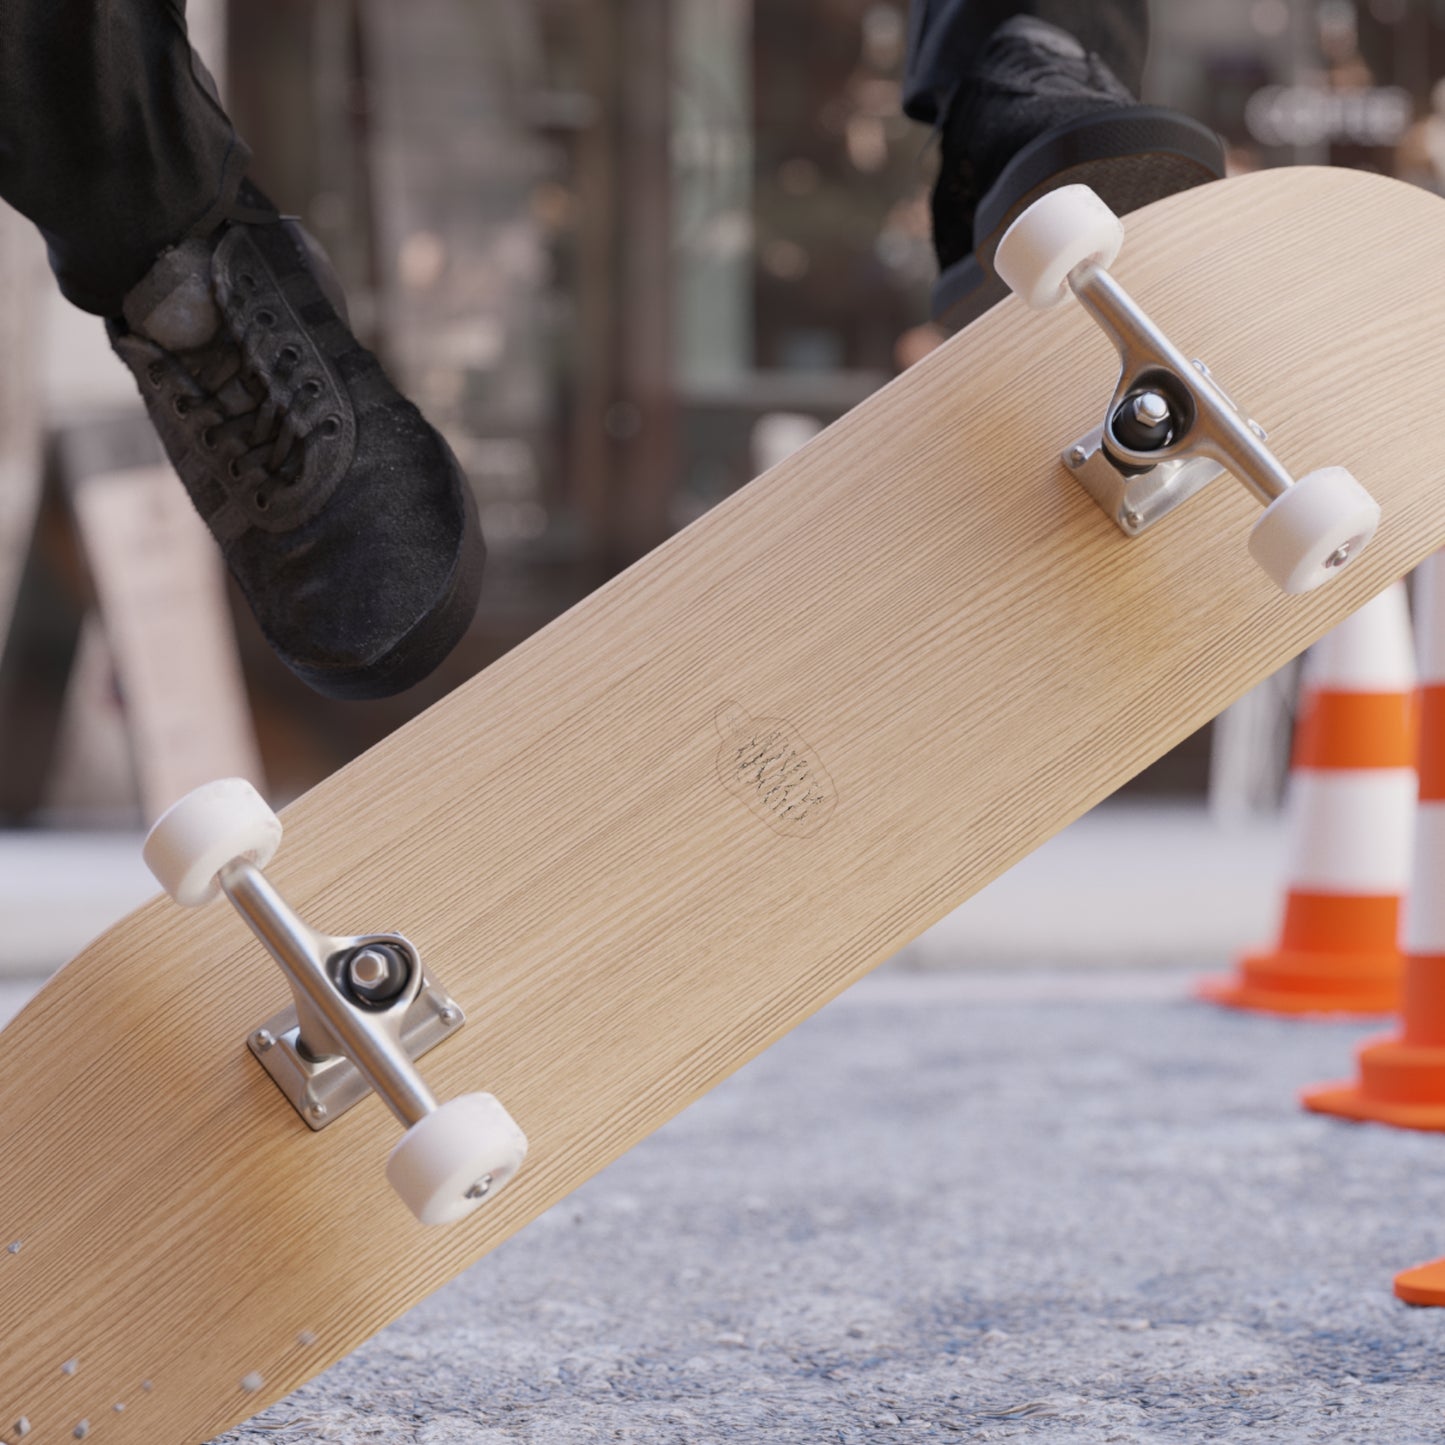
x=1423, y=924
x=1351, y=830
x=1423, y=928
x=1430, y=609
x=1370, y=651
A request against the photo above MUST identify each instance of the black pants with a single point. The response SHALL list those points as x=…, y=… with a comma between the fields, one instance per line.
x=113, y=142
x=111, y=137
x=944, y=36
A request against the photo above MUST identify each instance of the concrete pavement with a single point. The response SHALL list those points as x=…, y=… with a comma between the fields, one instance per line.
x=1021, y=1205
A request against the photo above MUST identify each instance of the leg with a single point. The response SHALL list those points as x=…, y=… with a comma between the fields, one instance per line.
x=341, y=512
x=946, y=36
x=1029, y=95
x=111, y=138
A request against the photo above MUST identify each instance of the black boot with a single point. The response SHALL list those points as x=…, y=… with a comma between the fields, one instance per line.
x=341, y=512
x=1037, y=111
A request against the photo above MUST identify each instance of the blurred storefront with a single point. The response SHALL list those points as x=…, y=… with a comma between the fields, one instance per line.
x=628, y=252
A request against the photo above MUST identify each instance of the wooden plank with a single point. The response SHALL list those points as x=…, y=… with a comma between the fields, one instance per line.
x=50, y=600
x=91, y=780
x=160, y=586
x=22, y=267
x=960, y=651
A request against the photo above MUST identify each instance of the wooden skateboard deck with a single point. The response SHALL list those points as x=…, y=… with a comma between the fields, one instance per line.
x=655, y=837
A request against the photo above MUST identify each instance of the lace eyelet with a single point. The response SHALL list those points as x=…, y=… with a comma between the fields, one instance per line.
x=180, y=406
x=208, y=439
x=311, y=388
x=265, y=317
x=247, y=280
x=331, y=427
x=233, y=471
x=262, y=501
x=155, y=374
x=288, y=356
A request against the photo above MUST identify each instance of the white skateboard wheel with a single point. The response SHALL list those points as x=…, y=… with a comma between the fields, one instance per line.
x=211, y=826
x=1061, y=230
x=1314, y=530
x=457, y=1158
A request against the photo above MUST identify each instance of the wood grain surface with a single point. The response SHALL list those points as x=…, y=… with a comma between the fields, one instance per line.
x=918, y=624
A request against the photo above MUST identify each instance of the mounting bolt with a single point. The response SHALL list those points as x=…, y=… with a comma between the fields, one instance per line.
x=451, y=1014
x=317, y=1111
x=1339, y=556
x=368, y=968
x=1143, y=421
x=263, y=1039
x=1151, y=409
x=1131, y=517
x=481, y=1188
x=377, y=973
x=1077, y=456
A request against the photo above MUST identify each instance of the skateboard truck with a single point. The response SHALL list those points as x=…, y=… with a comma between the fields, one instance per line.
x=1170, y=429
x=364, y=1009
x=365, y=998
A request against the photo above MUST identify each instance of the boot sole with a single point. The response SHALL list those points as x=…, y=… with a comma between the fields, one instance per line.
x=421, y=650
x=1130, y=157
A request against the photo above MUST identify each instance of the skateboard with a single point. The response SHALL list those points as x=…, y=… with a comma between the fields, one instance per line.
x=599, y=877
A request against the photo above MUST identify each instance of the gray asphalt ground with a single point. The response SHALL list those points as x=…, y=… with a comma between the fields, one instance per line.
x=989, y=1206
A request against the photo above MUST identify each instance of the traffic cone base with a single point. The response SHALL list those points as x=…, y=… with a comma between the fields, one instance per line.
x=1287, y=982
x=1399, y=1083
x=1351, y=806
x=1423, y=1285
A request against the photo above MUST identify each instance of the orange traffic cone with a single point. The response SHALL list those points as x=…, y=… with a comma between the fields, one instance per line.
x=1423, y=1285
x=1351, y=804
x=1402, y=1078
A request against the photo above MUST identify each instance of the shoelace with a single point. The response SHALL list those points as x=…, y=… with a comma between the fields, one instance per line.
x=1023, y=65
x=239, y=405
